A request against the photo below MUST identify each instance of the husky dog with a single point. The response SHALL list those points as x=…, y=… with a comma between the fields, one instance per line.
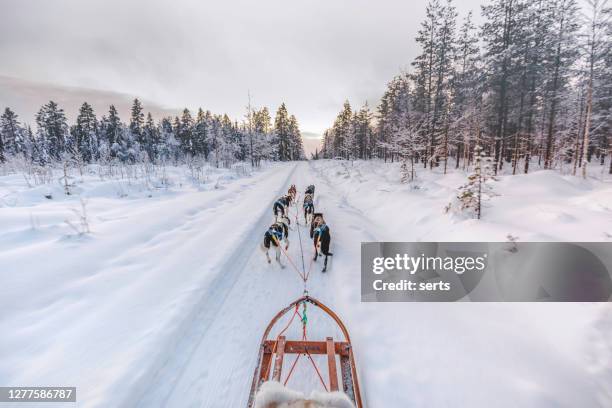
x=308, y=207
x=310, y=190
x=292, y=191
x=281, y=205
x=321, y=238
x=274, y=237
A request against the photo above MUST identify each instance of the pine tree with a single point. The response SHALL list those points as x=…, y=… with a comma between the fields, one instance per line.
x=137, y=122
x=11, y=133
x=169, y=146
x=263, y=136
x=281, y=130
x=52, y=132
x=151, y=139
x=466, y=101
x=85, y=134
x=561, y=59
x=503, y=35
x=185, y=132
x=477, y=189
x=200, y=131
x=297, y=148
x=113, y=129
x=596, y=46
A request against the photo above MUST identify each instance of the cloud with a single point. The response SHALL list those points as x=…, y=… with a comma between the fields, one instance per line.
x=310, y=54
x=26, y=97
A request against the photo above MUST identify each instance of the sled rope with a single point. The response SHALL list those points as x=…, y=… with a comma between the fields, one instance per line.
x=310, y=267
x=289, y=258
x=295, y=313
x=297, y=223
x=307, y=354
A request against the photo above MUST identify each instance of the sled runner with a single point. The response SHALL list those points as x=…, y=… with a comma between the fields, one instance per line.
x=272, y=352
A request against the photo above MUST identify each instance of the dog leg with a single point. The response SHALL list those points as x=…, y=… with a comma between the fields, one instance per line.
x=278, y=257
x=265, y=251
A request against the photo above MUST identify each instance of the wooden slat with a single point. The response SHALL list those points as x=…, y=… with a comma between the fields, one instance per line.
x=331, y=365
x=266, y=364
x=313, y=347
x=278, y=363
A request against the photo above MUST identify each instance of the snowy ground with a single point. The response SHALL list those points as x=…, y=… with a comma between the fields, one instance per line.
x=164, y=303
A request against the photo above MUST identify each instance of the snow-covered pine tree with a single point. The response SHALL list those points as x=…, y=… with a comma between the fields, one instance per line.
x=185, y=132
x=11, y=133
x=169, y=147
x=84, y=142
x=265, y=137
x=136, y=122
x=52, y=132
x=363, y=133
x=467, y=92
x=281, y=130
x=563, y=54
x=151, y=138
x=199, y=134
x=596, y=50
x=504, y=34
x=112, y=130
x=477, y=189
x=424, y=71
x=297, y=148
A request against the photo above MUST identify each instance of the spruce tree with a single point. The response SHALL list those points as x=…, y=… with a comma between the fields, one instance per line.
x=85, y=134
x=137, y=121
x=281, y=130
x=150, y=138
x=113, y=128
x=185, y=132
x=52, y=132
x=10, y=133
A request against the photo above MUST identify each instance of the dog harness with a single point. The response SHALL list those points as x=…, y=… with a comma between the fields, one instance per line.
x=321, y=229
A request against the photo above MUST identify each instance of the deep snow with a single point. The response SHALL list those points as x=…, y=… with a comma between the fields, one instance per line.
x=164, y=303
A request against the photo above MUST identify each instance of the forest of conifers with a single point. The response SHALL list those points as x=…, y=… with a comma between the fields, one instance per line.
x=531, y=86
x=214, y=138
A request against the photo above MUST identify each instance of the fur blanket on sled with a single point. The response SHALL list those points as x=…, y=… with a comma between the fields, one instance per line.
x=274, y=395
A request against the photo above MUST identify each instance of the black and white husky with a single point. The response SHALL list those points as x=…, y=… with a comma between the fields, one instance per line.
x=321, y=238
x=308, y=208
x=275, y=236
x=281, y=206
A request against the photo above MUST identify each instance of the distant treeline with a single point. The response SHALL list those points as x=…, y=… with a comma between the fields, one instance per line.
x=216, y=138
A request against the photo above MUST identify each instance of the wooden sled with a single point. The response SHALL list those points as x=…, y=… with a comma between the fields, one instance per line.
x=270, y=350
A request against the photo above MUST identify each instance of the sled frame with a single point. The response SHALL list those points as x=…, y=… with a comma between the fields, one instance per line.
x=279, y=348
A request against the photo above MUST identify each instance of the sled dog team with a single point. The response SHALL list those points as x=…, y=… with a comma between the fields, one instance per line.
x=278, y=233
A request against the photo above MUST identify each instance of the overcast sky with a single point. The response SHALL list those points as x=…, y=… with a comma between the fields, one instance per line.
x=311, y=54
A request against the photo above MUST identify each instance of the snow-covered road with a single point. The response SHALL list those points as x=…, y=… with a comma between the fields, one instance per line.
x=165, y=305
x=408, y=354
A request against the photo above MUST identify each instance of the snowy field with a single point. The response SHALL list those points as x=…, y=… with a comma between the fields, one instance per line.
x=164, y=301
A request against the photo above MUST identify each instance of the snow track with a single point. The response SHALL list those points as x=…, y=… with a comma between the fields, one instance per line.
x=156, y=387
x=212, y=365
